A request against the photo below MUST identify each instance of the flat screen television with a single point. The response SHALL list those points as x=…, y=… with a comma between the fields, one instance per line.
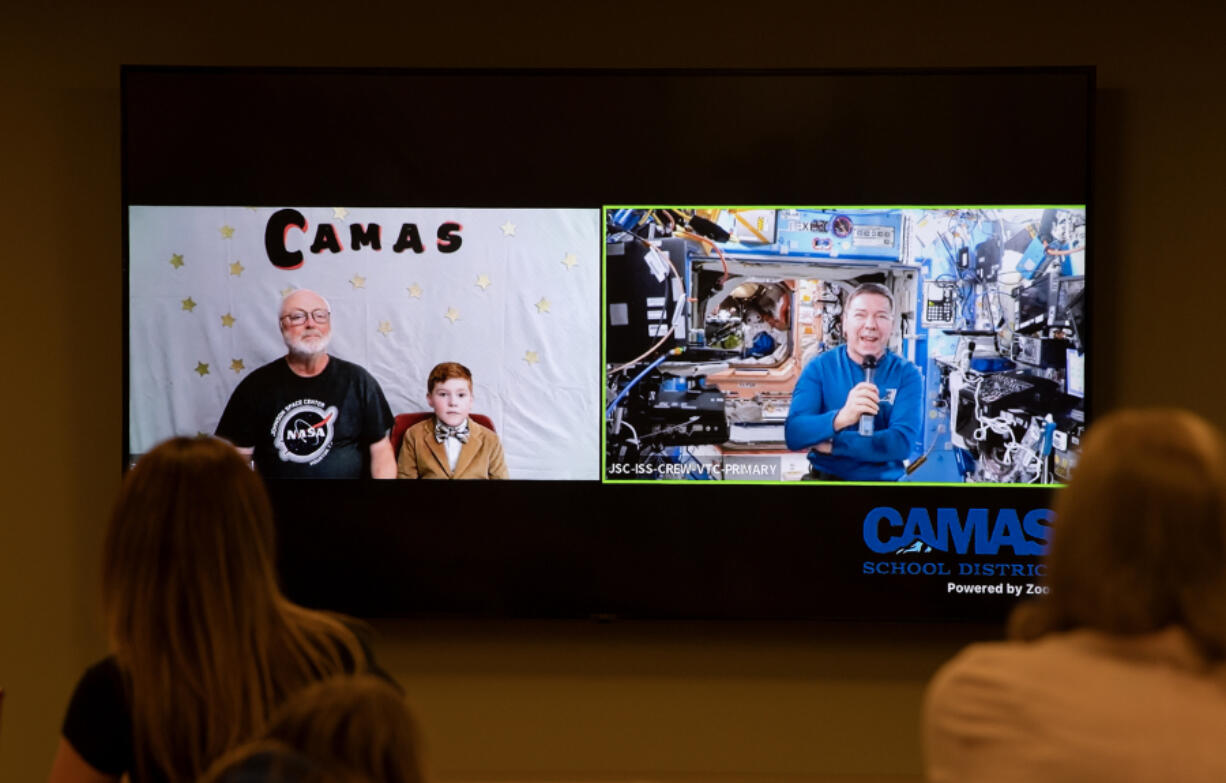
x=637, y=269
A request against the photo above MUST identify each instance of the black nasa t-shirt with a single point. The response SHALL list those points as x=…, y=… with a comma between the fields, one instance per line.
x=318, y=427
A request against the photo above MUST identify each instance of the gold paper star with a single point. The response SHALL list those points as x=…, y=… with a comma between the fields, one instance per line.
x=287, y=291
x=508, y=229
x=340, y=213
x=227, y=232
x=452, y=314
x=237, y=365
x=531, y=357
x=569, y=260
x=202, y=369
x=227, y=320
x=543, y=305
x=415, y=291
x=188, y=304
x=483, y=282
x=385, y=328
x=357, y=281
x=176, y=260
x=236, y=268
x=253, y=209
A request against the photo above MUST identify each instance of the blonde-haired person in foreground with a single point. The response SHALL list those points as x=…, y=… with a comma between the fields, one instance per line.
x=205, y=646
x=1118, y=673
x=343, y=730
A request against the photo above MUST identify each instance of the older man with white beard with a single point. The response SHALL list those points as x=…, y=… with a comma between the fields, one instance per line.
x=309, y=414
x=834, y=393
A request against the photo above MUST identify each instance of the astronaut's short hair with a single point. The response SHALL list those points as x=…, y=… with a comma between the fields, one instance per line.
x=871, y=288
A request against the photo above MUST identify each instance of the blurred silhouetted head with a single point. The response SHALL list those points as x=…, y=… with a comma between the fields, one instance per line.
x=353, y=726
x=1139, y=540
x=207, y=644
x=190, y=548
x=342, y=730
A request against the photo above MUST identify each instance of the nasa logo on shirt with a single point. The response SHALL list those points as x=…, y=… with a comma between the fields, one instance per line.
x=303, y=431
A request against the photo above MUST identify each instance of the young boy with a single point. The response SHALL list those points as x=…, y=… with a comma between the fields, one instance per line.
x=449, y=445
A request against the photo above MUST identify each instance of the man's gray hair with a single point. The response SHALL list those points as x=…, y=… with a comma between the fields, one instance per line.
x=327, y=304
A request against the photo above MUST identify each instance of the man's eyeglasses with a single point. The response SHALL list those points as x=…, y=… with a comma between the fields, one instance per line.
x=299, y=317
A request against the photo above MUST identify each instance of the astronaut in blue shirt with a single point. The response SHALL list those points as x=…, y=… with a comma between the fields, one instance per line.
x=831, y=395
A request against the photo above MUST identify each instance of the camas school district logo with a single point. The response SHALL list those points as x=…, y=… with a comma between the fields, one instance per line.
x=303, y=431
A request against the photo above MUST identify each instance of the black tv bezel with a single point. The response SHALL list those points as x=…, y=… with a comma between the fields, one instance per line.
x=670, y=136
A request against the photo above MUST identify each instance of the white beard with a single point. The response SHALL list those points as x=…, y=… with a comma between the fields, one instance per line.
x=304, y=349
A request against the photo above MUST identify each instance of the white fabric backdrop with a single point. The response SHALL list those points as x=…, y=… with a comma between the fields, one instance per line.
x=522, y=292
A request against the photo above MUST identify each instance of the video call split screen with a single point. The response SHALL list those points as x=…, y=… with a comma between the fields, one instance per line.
x=613, y=296
x=766, y=344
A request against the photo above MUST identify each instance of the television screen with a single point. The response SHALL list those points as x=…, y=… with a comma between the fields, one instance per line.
x=840, y=344
x=743, y=344
x=510, y=295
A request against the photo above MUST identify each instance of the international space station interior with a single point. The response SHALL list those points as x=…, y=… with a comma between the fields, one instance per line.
x=711, y=315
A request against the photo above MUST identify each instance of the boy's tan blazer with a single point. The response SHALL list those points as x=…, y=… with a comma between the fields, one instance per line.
x=421, y=456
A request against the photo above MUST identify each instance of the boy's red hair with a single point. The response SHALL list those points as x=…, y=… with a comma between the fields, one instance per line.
x=445, y=372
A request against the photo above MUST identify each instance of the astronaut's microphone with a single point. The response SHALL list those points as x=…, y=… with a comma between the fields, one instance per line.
x=866, y=419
